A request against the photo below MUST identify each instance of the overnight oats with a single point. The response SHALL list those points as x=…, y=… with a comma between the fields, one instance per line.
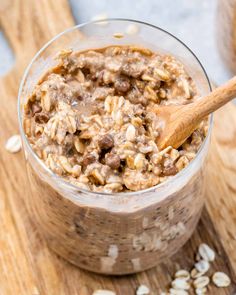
x=102, y=193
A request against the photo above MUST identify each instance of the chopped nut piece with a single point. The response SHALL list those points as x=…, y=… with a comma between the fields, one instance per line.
x=182, y=163
x=174, y=154
x=13, y=144
x=38, y=130
x=221, y=279
x=97, y=177
x=149, y=93
x=130, y=162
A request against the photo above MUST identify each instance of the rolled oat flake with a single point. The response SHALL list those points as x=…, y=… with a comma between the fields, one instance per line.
x=220, y=279
x=183, y=274
x=13, y=144
x=195, y=274
x=142, y=290
x=202, y=266
x=206, y=252
x=201, y=282
x=103, y=292
x=180, y=284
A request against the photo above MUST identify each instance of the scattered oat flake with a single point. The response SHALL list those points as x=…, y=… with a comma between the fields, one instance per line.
x=220, y=279
x=13, y=144
x=206, y=252
x=202, y=266
x=181, y=284
x=132, y=29
x=142, y=290
x=195, y=274
x=201, y=282
x=103, y=292
x=183, y=274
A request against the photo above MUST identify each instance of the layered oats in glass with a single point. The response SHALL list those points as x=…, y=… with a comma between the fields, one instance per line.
x=102, y=193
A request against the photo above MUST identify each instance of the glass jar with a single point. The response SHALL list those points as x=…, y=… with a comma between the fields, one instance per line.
x=118, y=233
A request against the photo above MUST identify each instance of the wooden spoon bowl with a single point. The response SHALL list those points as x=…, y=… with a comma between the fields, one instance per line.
x=179, y=121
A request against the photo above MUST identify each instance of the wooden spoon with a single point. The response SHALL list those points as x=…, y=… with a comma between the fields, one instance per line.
x=179, y=121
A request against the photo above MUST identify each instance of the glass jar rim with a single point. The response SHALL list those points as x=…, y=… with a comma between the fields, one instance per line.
x=73, y=187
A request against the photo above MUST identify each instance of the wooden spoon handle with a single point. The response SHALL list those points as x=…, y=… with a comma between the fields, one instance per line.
x=214, y=100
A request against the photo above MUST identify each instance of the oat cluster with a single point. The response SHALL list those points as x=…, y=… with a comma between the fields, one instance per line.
x=91, y=119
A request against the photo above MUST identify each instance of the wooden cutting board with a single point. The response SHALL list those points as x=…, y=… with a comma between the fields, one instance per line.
x=27, y=266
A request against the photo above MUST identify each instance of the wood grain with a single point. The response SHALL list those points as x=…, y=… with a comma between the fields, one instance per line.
x=26, y=264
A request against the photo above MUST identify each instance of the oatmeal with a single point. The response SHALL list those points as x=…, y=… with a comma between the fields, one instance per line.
x=90, y=119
